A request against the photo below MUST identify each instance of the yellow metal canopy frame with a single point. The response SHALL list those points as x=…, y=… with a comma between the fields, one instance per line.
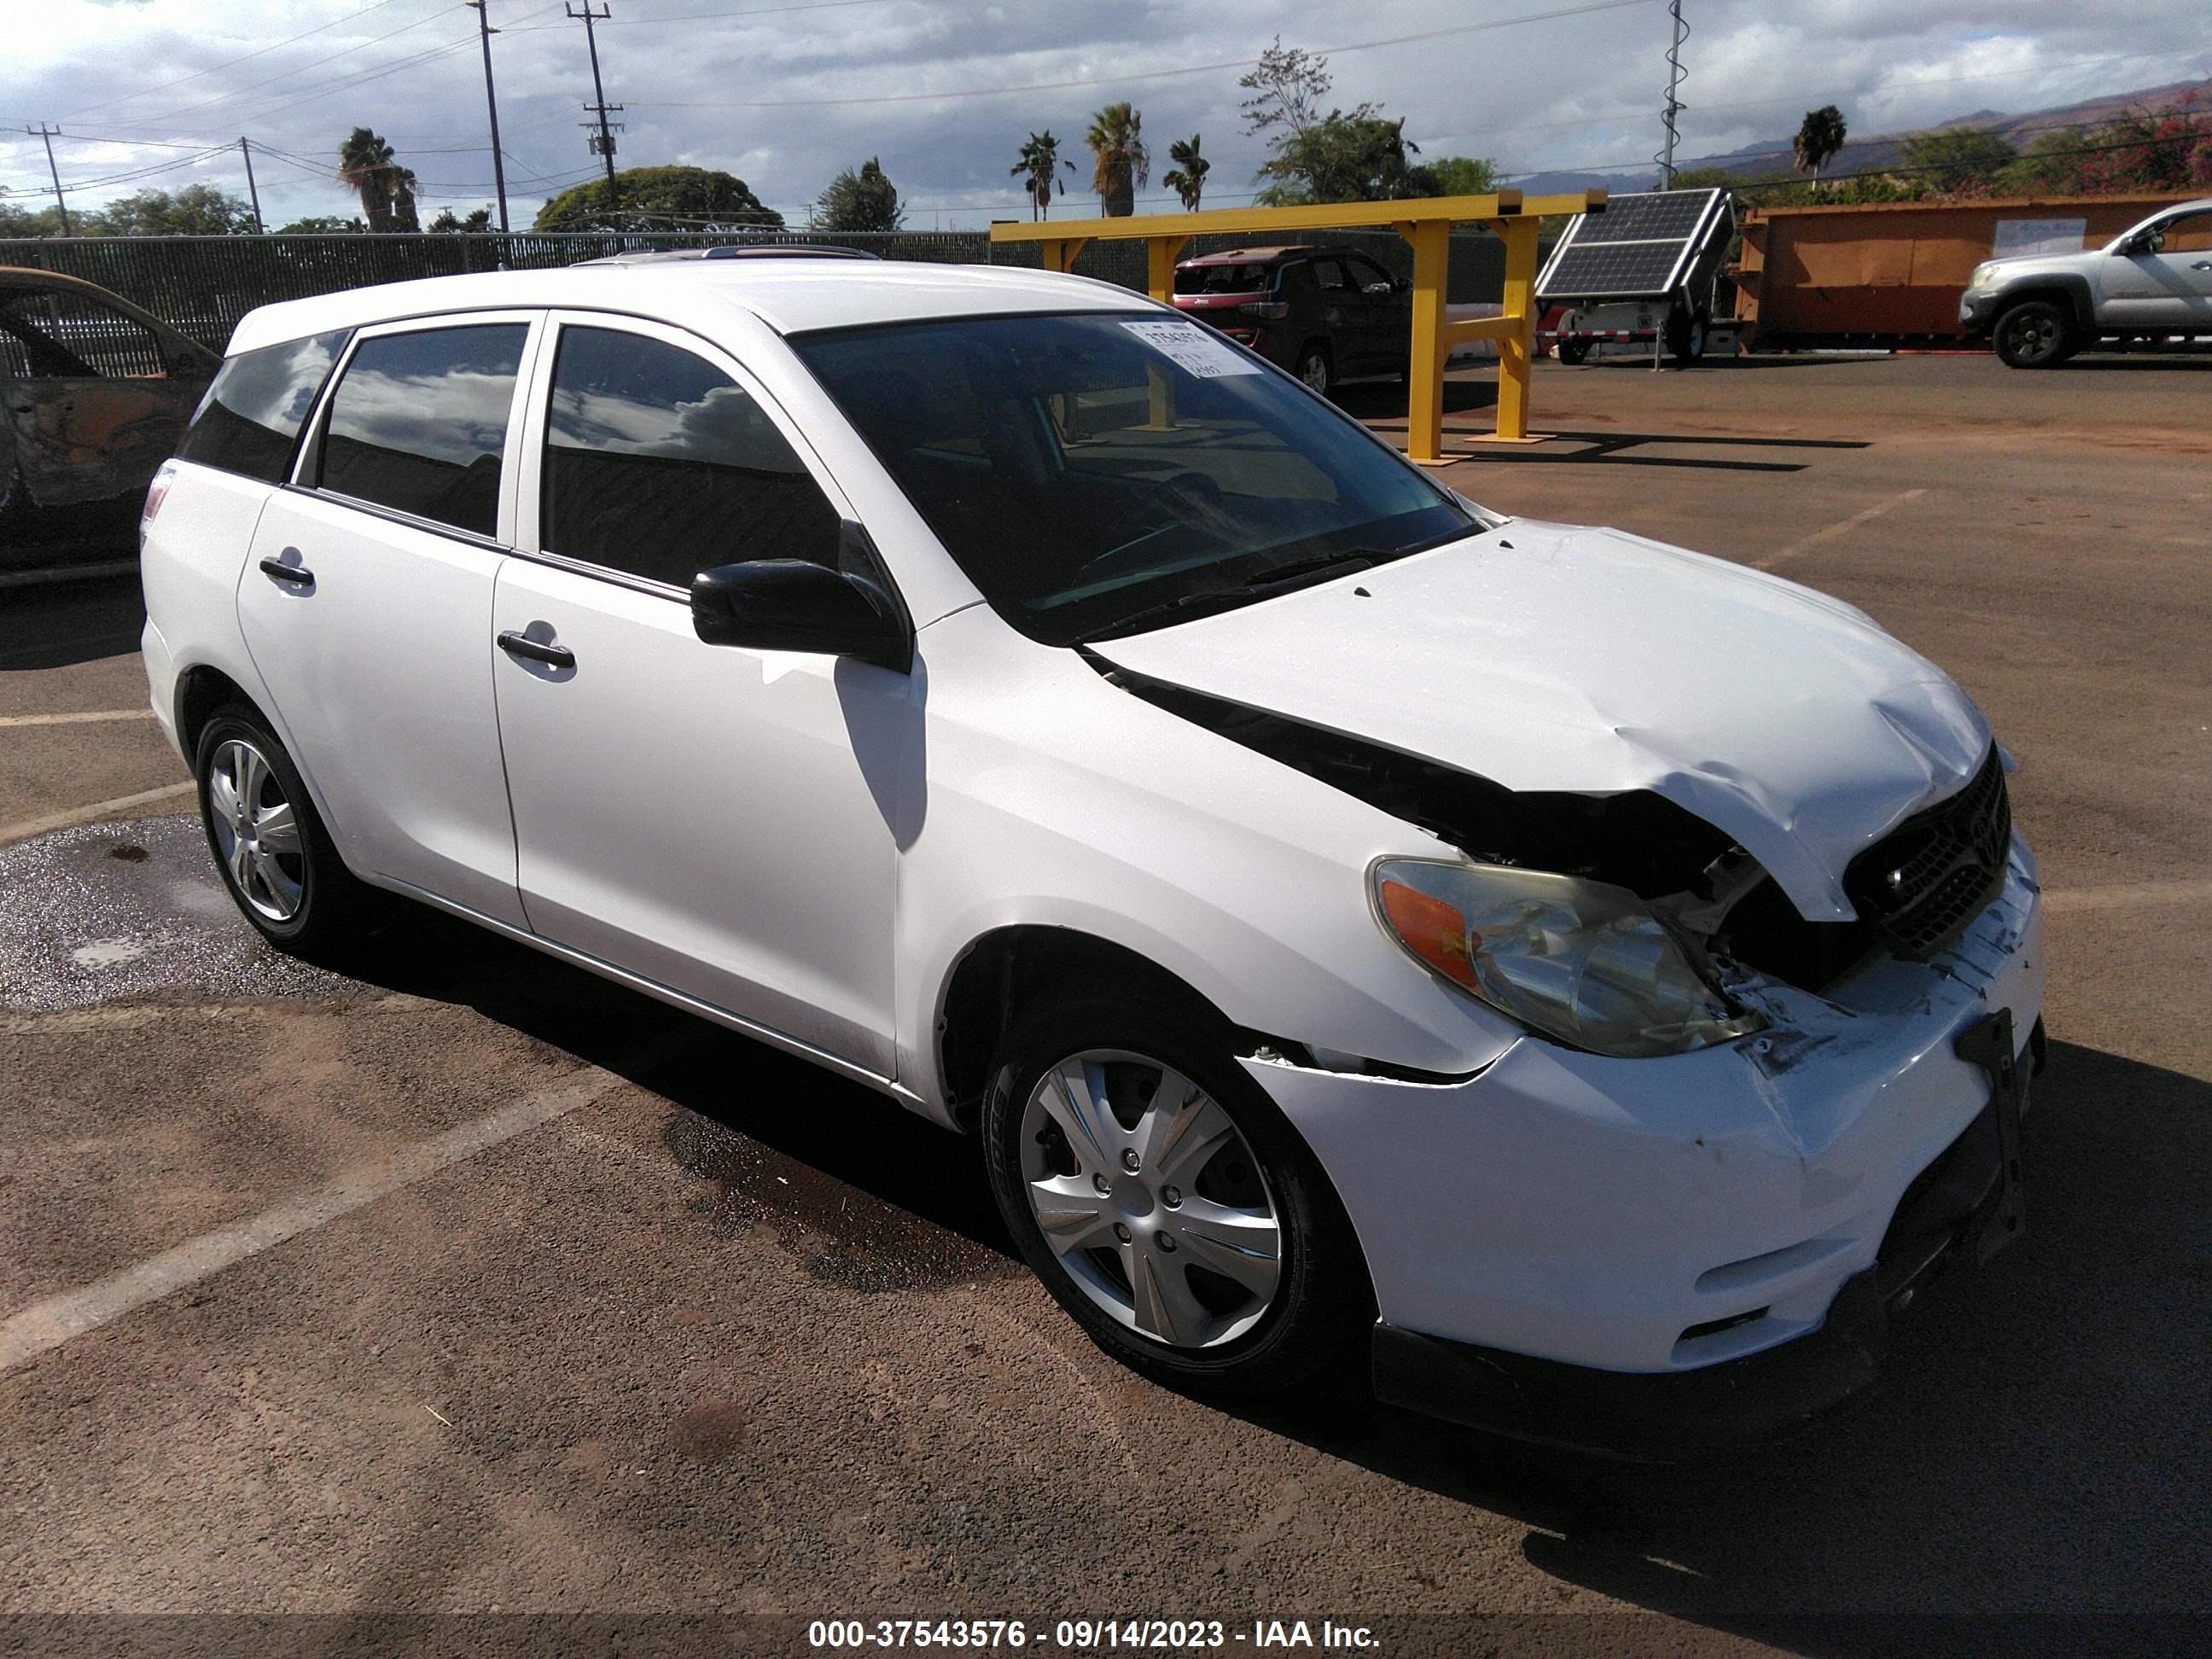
x=1425, y=224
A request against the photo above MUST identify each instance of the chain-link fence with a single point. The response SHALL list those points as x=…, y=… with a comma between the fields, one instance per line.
x=203, y=285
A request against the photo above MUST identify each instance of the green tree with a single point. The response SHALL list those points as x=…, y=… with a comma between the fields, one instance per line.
x=867, y=200
x=475, y=219
x=1287, y=86
x=2051, y=165
x=368, y=166
x=1116, y=139
x=17, y=221
x=1458, y=175
x=1819, y=136
x=1040, y=164
x=1186, y=178
x=323, y=225
x=1959, y=159
x=1357, y=156
x=659, y=198
x=194, y=210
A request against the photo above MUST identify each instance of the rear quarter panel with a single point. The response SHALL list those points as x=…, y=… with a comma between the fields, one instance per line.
x=190, y=561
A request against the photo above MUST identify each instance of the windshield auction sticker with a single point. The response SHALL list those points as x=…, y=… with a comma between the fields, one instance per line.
x=1193, y=350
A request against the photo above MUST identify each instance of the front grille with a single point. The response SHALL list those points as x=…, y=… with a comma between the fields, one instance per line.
x=1928, y=878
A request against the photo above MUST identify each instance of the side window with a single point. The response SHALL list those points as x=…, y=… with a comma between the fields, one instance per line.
x=50, y=334
x=419, y=420
x=2191, y=233
x=659, y=466
x=251, y=417
x=1365, y=273
x=1330, y=273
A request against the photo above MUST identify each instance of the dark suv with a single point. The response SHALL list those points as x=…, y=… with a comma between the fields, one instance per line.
x=1325, y=314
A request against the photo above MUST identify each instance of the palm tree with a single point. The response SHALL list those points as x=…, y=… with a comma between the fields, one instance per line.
x=1116, y=139
x=1187, y=177
x=1039, y=160
x=387, y=190
x=1819, y=139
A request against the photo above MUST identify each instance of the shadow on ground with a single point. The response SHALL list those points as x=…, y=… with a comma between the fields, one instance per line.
x=55, y=624
x=2037, y=1442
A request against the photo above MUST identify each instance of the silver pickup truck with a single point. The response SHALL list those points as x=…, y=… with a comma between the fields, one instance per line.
x=2150, y=283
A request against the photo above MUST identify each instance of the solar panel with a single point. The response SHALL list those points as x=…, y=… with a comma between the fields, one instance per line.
x=1640, y=245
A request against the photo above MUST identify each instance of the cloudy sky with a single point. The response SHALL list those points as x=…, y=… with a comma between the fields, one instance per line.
x=784, y=92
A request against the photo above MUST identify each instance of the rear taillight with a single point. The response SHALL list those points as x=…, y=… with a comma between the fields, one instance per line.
x=156, y=493
x=1269, y=311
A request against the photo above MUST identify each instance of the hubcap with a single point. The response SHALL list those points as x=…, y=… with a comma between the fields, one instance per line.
x=1315, y=373
x=256, y=833
x=1150, y=1198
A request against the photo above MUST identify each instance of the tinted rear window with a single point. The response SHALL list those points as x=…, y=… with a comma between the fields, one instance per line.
x=249, y=420
x=1223, y=279
x=418, y=422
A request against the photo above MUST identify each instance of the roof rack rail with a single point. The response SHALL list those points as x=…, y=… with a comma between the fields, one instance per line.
x=736, y=251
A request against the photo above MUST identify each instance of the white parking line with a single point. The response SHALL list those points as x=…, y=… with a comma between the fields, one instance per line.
x=50, y=1323
x=98, y=809
x=78, y=719
x=2123, y=896
x=1841, y=527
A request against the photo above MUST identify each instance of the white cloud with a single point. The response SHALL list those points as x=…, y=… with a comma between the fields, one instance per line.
x=1563, y=93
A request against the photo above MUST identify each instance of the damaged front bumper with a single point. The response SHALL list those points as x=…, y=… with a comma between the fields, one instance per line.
x=1664, y=1256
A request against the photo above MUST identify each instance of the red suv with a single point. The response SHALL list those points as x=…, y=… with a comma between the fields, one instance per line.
x=1325, y=314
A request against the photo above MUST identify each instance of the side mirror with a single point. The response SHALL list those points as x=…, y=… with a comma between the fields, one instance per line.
x=1383, y=288
x=793, y=604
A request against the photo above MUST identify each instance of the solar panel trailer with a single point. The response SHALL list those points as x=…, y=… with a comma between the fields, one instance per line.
x=1642, y=271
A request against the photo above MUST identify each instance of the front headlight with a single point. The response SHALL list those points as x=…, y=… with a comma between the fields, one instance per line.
x=1578, y=960
x=1981, y=276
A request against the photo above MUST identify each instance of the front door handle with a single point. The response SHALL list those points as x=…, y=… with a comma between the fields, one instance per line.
x=520, y=645
x=294, y=576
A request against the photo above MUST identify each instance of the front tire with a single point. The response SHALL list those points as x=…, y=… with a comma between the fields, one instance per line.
x=2034, y=334
x=277, y=860
x=1572, y=352
x=1165, y=1202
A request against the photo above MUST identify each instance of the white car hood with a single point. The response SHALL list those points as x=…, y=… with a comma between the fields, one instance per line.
x=1552, y=657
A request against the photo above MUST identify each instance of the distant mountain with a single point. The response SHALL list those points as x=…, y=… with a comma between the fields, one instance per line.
x=1880, y=149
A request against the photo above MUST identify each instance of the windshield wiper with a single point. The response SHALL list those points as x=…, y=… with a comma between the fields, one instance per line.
x=1265, y=584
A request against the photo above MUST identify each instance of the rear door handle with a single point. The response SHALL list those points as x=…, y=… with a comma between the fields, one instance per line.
x=553, y=656
x=2201, y=265
x=294, y=575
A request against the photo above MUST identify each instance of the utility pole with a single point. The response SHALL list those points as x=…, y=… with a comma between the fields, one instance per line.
x=603, y=140
x=246, y=150
x=482, y=9
x=1675, y=76
x=42, y=130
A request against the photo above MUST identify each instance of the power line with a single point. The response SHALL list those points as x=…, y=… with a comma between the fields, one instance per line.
x=228, y=63
x=1147, y=75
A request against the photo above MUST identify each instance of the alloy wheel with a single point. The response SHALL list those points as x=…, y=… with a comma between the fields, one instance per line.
x=1150, y=1198
x=1314, y=370
x=256, y=832
x=2032, y=337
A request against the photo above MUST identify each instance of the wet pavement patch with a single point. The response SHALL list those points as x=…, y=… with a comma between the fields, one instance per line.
x=842, y=1235
x=134, y=908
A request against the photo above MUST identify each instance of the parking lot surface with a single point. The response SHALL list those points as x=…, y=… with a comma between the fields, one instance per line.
x=466, y=1282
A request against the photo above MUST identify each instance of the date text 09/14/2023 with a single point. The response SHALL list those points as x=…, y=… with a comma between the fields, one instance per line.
x=1085, y=1635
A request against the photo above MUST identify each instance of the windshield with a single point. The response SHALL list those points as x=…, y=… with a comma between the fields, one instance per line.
x=1098, y=474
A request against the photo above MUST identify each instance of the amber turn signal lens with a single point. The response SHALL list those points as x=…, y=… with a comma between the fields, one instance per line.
x=1433, y=931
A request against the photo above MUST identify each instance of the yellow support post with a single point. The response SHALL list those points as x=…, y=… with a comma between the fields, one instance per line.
x=1059, y=251
x=1425, y=224
x=1516, y=349
x=1161, y=253
x=1425, y=377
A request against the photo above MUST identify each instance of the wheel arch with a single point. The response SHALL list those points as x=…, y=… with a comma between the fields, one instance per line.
x=2069, y=292
x=1007, y=970
x=202, y=689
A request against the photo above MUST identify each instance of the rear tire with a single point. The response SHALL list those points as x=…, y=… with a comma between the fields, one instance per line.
x=2034, y=334
x=277, y=861
x=1686, y=339
x=1128, y=1126
x=1573, y=351
x=1315, y=369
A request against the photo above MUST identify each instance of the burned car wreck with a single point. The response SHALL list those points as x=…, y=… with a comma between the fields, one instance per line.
x=94, y=392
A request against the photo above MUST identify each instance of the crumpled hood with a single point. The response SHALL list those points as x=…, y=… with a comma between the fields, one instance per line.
x=1552, y=657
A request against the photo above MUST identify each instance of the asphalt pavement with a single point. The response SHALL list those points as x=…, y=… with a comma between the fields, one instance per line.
x=467, y=1283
